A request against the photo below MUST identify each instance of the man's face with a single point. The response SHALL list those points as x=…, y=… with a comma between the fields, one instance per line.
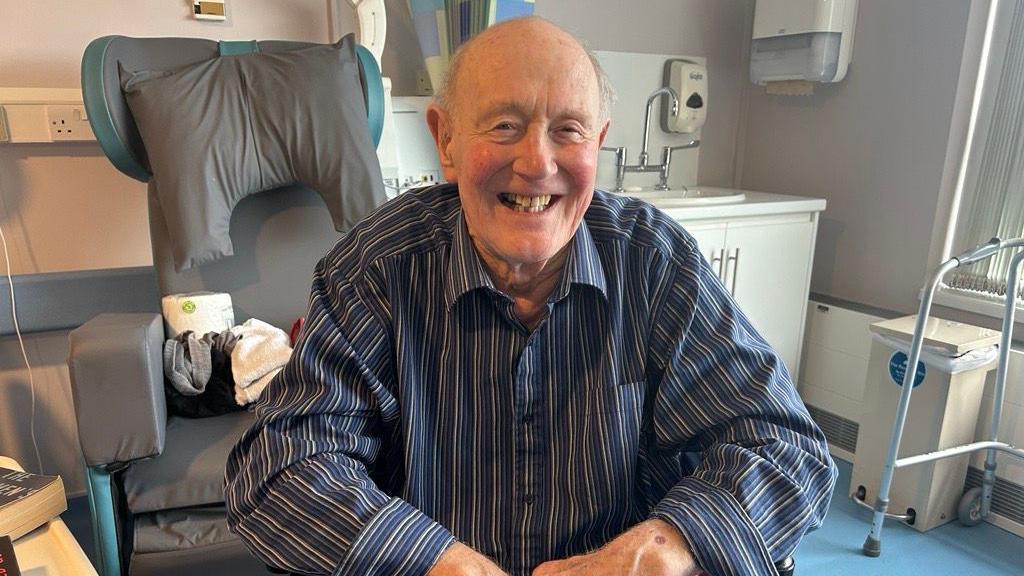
x=522, y=144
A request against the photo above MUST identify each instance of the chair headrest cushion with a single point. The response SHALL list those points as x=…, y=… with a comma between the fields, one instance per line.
x=219, y=130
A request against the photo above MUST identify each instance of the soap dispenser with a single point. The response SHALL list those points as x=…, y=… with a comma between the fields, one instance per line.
x=690, y=81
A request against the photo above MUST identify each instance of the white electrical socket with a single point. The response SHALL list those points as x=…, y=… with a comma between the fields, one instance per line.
x=68, y=122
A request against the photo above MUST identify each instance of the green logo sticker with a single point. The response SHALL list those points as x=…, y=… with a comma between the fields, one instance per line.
x=188, y=306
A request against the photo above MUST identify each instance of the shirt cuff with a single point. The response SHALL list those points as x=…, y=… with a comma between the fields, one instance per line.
x=721, y=536
x=398, y=540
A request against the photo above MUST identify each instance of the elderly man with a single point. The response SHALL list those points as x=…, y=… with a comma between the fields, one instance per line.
x=500, y=375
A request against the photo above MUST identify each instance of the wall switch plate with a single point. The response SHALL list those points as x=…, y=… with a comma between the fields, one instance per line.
x=68, y=122
x=209, y=10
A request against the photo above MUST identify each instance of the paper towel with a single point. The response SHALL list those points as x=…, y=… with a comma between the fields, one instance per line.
x=200, y=312
x=790, y=88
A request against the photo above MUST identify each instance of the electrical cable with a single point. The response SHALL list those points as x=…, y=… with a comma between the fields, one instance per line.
x=24, y=355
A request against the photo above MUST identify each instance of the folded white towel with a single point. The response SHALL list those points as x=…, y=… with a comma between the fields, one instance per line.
x=251, y=393
x=261, y=349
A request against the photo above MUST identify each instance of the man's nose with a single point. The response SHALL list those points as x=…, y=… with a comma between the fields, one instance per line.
x=535, y=156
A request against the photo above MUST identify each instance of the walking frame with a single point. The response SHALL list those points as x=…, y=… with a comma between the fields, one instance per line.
x=976, y=503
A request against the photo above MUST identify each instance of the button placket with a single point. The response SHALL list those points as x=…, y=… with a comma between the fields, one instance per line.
x=529, y=435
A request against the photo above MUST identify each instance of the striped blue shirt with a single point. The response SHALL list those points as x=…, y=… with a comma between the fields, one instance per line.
x=417, y=408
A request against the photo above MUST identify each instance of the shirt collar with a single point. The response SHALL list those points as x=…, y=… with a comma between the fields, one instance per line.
x=467, y=273
x=583, y=265
x=465, y=270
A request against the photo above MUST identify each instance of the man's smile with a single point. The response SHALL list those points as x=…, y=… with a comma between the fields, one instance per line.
x=522, y=203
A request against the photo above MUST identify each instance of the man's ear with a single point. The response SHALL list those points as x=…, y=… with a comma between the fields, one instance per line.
x=441, y=129
x=604, y=132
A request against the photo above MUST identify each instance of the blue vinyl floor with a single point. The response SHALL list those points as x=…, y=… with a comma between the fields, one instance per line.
x=834, y=549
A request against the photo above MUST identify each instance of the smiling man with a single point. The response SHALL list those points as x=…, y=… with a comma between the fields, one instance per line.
x=515, y=374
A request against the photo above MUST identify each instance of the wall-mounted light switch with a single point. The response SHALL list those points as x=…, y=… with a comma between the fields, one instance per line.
x=209, y=10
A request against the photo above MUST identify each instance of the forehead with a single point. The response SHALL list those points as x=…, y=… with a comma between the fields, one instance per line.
x=527, y=72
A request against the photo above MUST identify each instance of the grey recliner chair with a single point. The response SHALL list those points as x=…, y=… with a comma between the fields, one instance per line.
x=155, y=482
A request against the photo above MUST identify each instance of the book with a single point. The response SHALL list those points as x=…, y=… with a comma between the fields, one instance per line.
x=28, y=501
x=8, y=562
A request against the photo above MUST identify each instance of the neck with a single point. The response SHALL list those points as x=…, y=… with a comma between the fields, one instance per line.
x=529, y=284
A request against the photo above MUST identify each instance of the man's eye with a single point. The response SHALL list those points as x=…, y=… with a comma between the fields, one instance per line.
x=505, y=126
x=573, y=132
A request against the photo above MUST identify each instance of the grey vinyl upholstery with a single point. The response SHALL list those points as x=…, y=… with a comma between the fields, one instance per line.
x=167, y=472
x=134, y=54
x=261, y=112
x=192, y=474
x=106, y=353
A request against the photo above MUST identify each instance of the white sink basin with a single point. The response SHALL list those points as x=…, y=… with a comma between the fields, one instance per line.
x=690, y=196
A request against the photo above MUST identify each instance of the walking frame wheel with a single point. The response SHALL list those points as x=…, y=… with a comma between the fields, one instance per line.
x=969, y=510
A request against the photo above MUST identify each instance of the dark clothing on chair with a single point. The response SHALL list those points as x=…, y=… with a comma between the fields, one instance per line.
x=212, y=353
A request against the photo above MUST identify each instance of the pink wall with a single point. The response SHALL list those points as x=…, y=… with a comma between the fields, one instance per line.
x=41, y=42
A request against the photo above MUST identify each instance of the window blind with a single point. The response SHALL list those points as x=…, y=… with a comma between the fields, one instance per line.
x=996, y=206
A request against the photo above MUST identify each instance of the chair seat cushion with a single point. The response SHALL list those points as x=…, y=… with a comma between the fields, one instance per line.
x=181, y=529
x=190, y=541
x=190, y=472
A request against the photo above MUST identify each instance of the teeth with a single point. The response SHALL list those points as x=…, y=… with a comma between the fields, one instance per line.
x=522, y=203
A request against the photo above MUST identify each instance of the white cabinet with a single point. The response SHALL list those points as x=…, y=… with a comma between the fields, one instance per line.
x=768, y=267
x=764, y=261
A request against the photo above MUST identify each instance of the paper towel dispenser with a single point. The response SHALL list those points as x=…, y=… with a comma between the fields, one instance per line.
x=809, y=40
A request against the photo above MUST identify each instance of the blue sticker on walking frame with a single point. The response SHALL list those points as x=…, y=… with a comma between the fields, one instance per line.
x=898, y=369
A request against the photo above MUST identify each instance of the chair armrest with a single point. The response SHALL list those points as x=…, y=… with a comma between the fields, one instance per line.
x=116, y=368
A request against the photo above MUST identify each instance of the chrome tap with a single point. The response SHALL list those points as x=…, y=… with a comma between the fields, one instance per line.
x=647, y=116
x=642, y=166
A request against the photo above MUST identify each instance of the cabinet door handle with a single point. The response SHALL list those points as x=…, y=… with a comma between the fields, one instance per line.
x=716, y=258
x=735, y=259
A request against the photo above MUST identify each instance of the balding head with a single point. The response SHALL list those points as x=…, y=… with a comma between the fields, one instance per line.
x=518, y=33
x=519, y=133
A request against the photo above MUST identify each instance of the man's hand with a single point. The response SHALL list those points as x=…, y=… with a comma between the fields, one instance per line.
x=651, y=548
x=461, y=560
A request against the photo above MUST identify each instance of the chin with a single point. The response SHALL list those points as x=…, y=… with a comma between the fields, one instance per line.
x=533, y=253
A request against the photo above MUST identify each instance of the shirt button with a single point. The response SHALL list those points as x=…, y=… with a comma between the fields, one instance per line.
x=528, y=419
x=530, y=499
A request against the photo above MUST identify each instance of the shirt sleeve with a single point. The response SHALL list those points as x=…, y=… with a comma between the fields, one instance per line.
x=299, y=488
x=765, y=475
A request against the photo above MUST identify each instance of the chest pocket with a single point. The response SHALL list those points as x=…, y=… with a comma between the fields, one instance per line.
x=616, y=399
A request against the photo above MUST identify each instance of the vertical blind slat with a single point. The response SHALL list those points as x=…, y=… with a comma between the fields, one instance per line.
x=998, y=206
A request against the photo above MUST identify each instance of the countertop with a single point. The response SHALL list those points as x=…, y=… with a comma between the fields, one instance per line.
x=755, y=204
